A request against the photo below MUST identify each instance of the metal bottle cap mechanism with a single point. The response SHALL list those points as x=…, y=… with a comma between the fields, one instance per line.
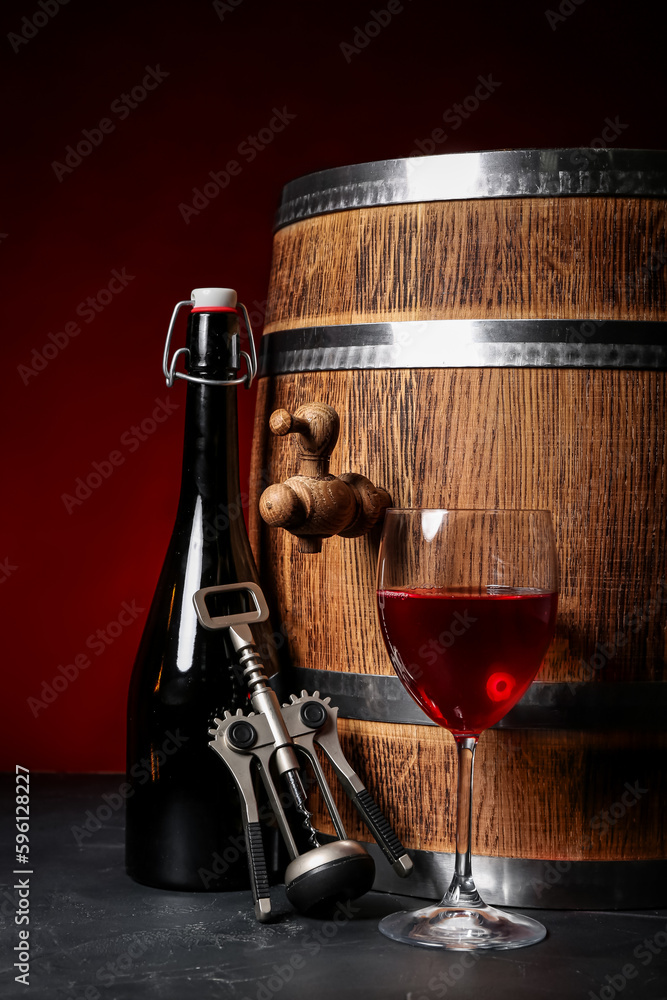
x=209, y=300
x=271, y=739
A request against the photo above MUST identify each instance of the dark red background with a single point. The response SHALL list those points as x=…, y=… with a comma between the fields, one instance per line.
x=120, y=209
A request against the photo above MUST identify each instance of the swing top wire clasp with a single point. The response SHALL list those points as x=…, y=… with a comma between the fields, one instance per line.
x=169, y=367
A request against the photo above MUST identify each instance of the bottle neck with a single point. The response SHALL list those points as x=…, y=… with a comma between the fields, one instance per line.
x=210, y=471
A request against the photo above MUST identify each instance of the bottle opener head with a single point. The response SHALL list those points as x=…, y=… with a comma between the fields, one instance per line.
x=212, y=623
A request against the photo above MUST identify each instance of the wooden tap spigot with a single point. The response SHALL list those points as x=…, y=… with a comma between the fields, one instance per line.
x=315, y=505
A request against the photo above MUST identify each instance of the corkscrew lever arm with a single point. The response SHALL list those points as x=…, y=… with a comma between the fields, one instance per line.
x=240, y=768
x=318, y=724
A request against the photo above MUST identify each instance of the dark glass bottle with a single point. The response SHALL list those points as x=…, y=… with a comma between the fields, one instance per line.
x=183, y=816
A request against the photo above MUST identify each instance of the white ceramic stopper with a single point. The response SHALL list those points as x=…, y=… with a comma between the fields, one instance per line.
x=212, y=298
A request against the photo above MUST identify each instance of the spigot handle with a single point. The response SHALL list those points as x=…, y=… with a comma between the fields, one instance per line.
x=317, y=425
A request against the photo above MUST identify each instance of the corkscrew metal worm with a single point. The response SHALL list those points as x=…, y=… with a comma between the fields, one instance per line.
x=281, y=740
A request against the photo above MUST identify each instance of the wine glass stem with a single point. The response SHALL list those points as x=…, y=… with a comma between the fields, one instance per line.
x=462, y=888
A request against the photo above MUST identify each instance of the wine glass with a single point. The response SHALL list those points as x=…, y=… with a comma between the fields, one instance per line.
x=467, y=604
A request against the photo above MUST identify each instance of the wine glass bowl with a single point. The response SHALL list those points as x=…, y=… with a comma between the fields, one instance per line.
x=467, y=603
x=482, y=654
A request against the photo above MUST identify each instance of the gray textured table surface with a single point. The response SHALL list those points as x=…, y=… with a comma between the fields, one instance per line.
x=96, y=935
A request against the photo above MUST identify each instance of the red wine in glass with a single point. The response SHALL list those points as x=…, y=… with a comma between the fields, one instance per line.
x=467, y=656
x=467, y=605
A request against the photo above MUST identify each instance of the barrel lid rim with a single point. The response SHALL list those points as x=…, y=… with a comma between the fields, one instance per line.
x=491, y=173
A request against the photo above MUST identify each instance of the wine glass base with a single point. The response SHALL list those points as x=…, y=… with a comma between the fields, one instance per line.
x=462, y=928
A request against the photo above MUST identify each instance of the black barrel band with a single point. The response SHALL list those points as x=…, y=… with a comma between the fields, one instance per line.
x=453, y=343
x=580, y=705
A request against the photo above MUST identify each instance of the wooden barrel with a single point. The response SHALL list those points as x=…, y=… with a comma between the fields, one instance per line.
x=491, y=329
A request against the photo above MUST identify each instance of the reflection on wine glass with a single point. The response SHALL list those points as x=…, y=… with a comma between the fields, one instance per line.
x=467, y=603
